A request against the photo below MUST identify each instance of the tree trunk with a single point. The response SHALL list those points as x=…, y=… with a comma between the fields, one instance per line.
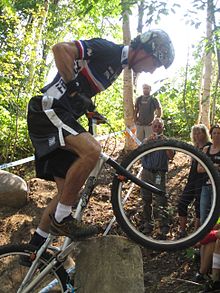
x=109, y=264
x=204, y=115
x=38, y=27
x=217, y=51
x=128, y=90
x=140, y=16
x=141, y=7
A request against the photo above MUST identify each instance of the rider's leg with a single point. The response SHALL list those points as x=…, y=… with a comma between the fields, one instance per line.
x=50, y=209
x=88, y=151
x=69, y=186
x=41, y=233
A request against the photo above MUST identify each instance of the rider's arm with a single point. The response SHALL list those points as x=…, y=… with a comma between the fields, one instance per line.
x=65, y=54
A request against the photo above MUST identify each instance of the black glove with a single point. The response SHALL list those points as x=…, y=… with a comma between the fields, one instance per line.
x=81, y=104
x=72, y=86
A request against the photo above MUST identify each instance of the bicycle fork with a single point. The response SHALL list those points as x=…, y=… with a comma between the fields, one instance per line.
x=24, y=288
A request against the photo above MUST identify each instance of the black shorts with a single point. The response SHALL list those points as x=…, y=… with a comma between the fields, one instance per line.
x=50, y=120
x=55, y=164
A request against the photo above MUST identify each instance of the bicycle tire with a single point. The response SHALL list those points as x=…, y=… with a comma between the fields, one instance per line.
x=119, y=185
x=12, y=272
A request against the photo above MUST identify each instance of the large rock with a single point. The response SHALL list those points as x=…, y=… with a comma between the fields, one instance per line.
x=109, y=264
x=13, y=190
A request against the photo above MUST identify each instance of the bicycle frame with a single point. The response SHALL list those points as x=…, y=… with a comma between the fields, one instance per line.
x=68, y=246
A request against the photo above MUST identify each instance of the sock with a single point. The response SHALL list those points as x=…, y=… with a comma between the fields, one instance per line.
x=216, y=261
x=37, y=240
x=41, y=233
x=62, y=211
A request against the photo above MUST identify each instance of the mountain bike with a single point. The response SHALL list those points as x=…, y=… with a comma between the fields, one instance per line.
x=50, y=271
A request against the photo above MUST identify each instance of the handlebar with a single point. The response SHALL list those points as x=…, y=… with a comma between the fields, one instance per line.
x=94, y=118
x=97, y=116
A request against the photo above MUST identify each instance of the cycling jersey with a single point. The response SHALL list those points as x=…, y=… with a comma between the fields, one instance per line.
x=53, y=115
x=99, y=64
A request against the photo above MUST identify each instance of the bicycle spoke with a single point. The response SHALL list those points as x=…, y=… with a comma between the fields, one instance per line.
x=153, y=219
x=12, y=273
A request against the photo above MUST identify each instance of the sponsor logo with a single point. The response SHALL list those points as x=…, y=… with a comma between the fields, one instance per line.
x=89, y=52
x=52, y=141
x=61, y=87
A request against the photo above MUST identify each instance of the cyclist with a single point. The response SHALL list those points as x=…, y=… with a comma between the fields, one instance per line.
x=61, y=144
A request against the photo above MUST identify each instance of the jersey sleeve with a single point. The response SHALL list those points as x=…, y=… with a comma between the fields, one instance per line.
x=96, y=48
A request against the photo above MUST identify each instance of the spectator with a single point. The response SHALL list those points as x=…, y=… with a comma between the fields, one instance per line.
x=212, y=151
x=210, y=258
x=155, y=167
x=146, y=108
x=213, y=285
x=199, y=137
x=207, y=246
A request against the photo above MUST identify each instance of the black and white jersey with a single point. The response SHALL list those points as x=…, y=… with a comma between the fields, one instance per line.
x=53, y=116
x=99, y=64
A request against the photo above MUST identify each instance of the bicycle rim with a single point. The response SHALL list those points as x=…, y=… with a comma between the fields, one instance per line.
x=160, y=230
x=12, y=272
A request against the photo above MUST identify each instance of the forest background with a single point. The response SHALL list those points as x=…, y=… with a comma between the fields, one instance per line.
x=28, y=29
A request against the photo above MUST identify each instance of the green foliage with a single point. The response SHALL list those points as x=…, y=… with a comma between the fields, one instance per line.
x=179, y=116
x=191, y=253
x=28, y=29
x=153, y=10
x=110, y=104
x=181, y=109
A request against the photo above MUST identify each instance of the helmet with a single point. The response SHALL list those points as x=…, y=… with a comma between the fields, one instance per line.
x=158, y=43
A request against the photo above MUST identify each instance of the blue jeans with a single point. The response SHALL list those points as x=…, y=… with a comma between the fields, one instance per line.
x=205, y=202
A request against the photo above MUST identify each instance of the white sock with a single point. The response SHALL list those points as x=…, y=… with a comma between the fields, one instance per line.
x=41, y=232
x=216, y=261
x=62, y=212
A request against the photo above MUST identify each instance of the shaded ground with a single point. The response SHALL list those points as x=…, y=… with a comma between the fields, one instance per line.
x=163, y=272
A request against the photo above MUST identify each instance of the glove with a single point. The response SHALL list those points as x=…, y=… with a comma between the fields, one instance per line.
x=96, y=115
x=72, y=86
x=81, y=104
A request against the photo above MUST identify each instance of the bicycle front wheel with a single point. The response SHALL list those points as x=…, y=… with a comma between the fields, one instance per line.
x=153, y=220
x=12, y=272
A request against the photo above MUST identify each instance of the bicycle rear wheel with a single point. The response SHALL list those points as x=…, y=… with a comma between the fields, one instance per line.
x=159, y=231
x=12, y=272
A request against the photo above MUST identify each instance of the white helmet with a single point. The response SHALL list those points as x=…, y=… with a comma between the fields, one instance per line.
x=158, y=43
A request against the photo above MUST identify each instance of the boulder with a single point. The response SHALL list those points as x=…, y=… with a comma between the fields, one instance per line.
x=13, y=190
x=109, y=264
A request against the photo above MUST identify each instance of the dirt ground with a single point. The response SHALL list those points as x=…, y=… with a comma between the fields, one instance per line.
x=163, y=271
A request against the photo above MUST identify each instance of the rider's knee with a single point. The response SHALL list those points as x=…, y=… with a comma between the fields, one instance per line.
x=93, y=154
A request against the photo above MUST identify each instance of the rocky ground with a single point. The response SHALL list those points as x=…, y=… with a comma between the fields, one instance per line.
x=163, y=271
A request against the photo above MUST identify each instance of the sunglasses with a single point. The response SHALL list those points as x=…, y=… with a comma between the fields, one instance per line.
x=157, y=126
